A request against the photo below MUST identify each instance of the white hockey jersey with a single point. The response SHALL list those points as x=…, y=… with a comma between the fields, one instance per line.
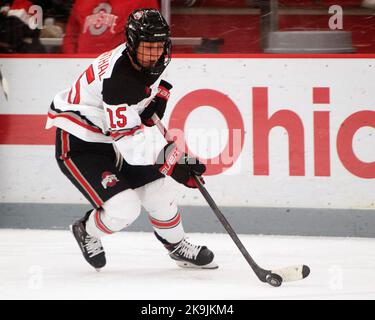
x=104, y=104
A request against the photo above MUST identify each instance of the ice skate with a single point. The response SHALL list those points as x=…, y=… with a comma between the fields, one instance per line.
x=91, y=247
x=188, y=255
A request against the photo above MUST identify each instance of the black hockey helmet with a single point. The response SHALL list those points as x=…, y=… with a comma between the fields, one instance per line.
x=148, y=25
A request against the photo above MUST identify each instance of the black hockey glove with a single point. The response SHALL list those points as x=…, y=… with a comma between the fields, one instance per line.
x=157, y=105
x=179, y=165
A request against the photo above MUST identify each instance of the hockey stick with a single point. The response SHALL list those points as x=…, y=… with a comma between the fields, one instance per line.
x=4, y=85
x=273, y=277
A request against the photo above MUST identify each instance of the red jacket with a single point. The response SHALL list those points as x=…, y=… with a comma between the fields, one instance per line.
x=96, y=26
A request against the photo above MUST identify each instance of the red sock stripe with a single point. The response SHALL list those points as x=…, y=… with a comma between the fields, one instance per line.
x=76, y=174
x=100, y=224
x=166, y=224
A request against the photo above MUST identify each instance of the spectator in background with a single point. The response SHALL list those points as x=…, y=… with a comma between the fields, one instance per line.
x=16, y=35
x=188, y=3
x=368, y=4
x=5, y=6
x=96, y=26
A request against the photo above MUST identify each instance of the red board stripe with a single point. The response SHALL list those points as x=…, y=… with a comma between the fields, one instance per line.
x=26, y=129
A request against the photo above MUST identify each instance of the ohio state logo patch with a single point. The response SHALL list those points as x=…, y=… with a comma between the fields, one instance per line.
x=108, y=179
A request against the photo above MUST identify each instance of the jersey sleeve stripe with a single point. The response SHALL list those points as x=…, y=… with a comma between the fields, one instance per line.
x=116, y=135
x=76, y=121
x=90, y=75
x=77, y=98
x=70, y=95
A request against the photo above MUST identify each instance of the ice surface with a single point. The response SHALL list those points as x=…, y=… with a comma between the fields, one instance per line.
x=38, y=264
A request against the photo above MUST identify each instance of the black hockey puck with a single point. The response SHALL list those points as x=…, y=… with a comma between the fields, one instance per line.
x=274, y=280
x=305, y=271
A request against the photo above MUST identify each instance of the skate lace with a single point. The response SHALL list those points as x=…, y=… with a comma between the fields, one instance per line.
x=93, y=246
x=188, y=250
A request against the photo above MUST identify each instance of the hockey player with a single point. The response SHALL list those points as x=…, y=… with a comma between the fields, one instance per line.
x=101, y=146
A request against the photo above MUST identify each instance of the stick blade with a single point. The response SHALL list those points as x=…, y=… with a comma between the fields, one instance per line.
x=5, y=86
x=293, y=273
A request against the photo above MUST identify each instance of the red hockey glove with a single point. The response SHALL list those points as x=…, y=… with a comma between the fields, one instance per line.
x=157, y=105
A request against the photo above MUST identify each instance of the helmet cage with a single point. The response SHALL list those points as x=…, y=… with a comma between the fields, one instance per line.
x=148, y=25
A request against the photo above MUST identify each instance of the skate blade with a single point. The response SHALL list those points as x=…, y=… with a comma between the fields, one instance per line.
x=184, y=264
x=71, y=229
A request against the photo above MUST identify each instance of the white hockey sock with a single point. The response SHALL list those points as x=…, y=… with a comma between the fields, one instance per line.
x=95, y=226
x=170, y=230
x=116, y=213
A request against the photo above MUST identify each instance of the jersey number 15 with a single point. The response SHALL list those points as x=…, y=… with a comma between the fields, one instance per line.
x=117, y=119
